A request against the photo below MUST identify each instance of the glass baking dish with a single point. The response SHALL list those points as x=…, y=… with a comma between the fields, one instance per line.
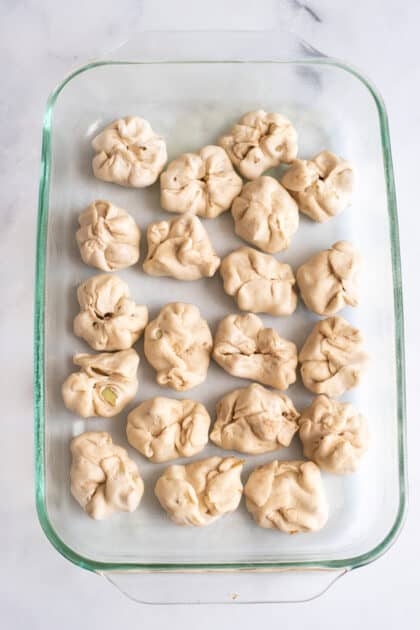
x=192, y=90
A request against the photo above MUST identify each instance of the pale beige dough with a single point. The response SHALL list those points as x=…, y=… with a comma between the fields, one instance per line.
x=259, y=141
x=288, y=496
x=105, y=384
x=244, y=348
x=200, y=493
x=265, y=215
x=334, y=435
x=203, y=183
x=178, y=344
x=329, y=281
x=332, y=357
x=103, y=478
x=129, y=153
x=254, y=420
x=108, y=237
x=109, y=319
x=322, y=186
x=258, y=282
x=162, y=429
x=181, y=249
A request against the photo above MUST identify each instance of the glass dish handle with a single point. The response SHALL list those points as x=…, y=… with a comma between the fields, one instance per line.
x=224, y=588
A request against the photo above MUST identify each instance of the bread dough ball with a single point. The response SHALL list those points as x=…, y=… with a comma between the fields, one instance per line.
x=178, y=344
x=106, y=383
x=334, y=435
x=129, y=153
x=322, y=187
x=332, y=358
x=164, y=428
x=181, y=249
x=288, y=496
x=103, y=478
x=259, y=141
x=328, y=281
x=203, y=183
x=244, y=348
x=254, y=420
x=258, y=282
x=108, y=237
x=265, y=215
x=200, y=493
x=109, y=319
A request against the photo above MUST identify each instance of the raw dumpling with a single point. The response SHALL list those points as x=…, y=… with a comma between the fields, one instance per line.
x=109, y=319
x=254, y=420
x=332, y=358
x=201, y=492
x=103, y=478
x=181, y=249
x=258, y=282
x=265, y=215
x=244, y=348
x=334, y=435
x=164, y=428
x=203, y=183
x=108, y=237
x=178, y=344
x=106, y=383
x=322, y=187
x=288, y=496
x=129, y=153
x=329, y=280
x=259, y=141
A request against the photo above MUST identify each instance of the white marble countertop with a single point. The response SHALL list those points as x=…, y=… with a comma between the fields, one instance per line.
x=41, y=41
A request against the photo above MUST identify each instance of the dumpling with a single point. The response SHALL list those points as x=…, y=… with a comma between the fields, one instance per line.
x=203, y=183
x=332, y=358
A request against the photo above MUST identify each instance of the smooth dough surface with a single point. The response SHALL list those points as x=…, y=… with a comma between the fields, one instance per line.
x=200, y=493
x=288, y=496
x=254, y=420
x=105, y=384
x=162, y=428
x=203, y=183
x=109, y=319
x=258, y=282
x=244, y=348
x=181, y=249
x=265, y=215
x=103, y=478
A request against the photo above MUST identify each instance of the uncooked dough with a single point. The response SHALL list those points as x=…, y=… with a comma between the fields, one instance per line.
x=328, y=281
x=288, y=496
x=129, y=153
x=178, y=344
x=333, y=434
x=332, y=358
x=164, y=428
x=322, y=186
x=201, y=492
x=258, y=282
x=108, y=237
x=180, y=248
x=265, y=215
x=109, y=319
x=244, y=348
x=105, y=384
x=259, y=141
x=203, y=183
x=103, y=478
x=254, y=420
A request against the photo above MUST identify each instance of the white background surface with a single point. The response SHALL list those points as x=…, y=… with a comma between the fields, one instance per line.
x=40, y=42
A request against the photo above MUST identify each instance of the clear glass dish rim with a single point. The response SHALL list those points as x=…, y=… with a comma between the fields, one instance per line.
x=39, y=314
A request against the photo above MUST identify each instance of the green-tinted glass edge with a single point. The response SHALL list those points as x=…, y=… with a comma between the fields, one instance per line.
x=43, y=199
